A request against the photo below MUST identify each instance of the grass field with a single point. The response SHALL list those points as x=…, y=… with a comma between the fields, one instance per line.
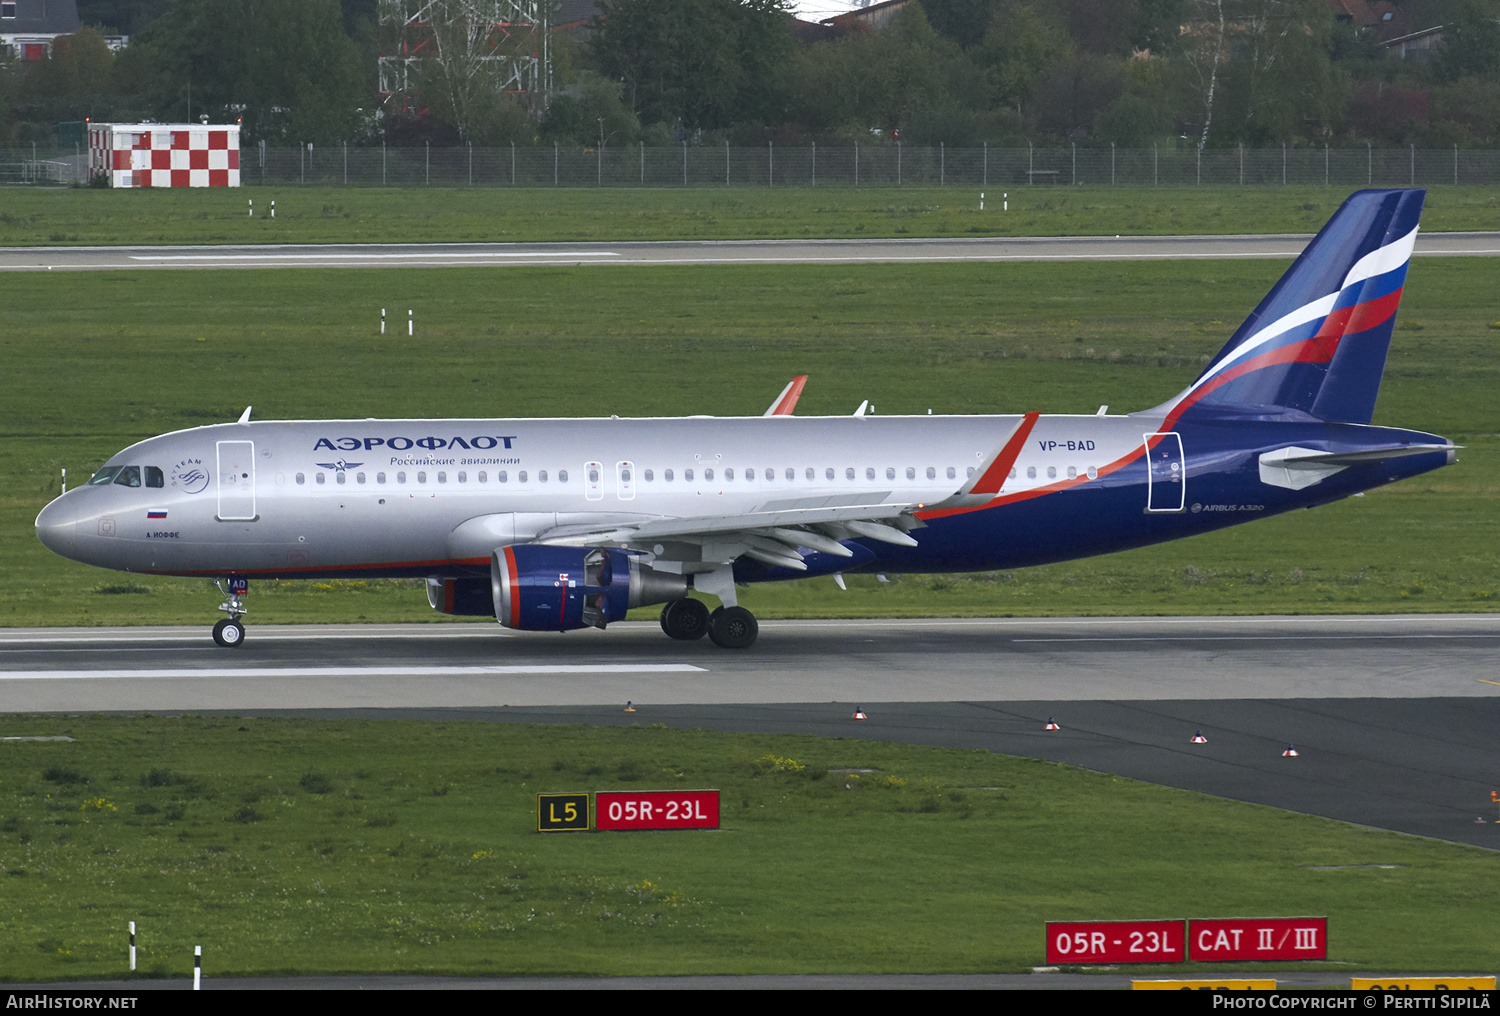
x=33, y=216
x=301, y=846
x=150, y=352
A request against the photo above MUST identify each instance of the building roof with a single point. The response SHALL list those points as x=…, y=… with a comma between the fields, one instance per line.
x=41, y=17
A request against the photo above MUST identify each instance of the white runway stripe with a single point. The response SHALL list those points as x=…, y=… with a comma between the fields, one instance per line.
x=318, y=672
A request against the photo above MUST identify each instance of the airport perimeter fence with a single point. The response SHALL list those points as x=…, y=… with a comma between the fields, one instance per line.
x=876, y=165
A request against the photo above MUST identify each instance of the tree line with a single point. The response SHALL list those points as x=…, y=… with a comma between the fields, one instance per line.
x=1199, y=73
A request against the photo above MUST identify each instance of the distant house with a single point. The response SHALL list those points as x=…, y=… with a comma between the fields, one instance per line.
x=865, y=18
x=27, y=27
x=1417, y=47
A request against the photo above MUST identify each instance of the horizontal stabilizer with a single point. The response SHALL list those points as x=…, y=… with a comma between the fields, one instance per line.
x=1295, y=468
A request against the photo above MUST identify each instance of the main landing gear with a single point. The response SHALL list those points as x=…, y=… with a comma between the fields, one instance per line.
x=231, y=630
x=727, y=627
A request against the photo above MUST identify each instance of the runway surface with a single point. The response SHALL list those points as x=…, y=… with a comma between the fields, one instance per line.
x=1393, y=717
x=706, y=252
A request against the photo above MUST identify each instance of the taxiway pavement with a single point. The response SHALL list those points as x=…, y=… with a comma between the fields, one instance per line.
x=1392, y=717
x=702, y=252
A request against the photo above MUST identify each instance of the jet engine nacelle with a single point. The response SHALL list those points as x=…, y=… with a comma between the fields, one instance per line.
x=461, y=597
x=540, y=588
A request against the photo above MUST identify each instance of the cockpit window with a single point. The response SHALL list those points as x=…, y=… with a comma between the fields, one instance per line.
x=105, y=475
x=129, y=476
x=153, y=476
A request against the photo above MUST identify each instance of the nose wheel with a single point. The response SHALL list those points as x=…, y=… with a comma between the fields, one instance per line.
x=231, y=631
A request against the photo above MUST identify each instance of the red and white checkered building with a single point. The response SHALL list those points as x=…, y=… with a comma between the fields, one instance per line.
x=165, y=154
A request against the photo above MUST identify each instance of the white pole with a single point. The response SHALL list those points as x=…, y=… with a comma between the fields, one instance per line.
x=981, y=201
x=1005, y=202
x=197, y=967
x=408, y=323
x=252, y=208
x=382, y=321
x=132, y=946
x=273, y=208
x=65, y=480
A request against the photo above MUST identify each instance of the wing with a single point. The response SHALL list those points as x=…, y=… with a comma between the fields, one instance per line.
x=776, y=533
x=779, y=532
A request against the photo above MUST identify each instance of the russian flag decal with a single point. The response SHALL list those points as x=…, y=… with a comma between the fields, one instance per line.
x=156, y=513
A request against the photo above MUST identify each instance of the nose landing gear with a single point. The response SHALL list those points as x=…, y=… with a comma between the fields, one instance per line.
x=231, y=630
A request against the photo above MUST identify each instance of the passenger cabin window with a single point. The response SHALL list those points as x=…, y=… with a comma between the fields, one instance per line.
x=301, y=478
x=320, y=479
x=502, y=477
x=667, y=475
x=562, y=476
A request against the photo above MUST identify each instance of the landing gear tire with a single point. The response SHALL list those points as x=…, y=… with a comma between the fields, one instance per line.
x=229, y=632
x=732, y=628
x=685, y=619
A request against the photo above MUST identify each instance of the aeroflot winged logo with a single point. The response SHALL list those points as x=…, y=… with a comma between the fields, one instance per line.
x=402, y=444
x=340, y=466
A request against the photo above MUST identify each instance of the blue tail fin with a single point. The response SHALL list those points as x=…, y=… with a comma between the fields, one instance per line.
x=1317, y=342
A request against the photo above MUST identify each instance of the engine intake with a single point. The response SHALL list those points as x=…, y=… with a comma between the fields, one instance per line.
x=540, y=588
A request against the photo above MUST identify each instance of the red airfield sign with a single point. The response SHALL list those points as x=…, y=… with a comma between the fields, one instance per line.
x=656, y=809
x=1258, y=938
x=1115, y=942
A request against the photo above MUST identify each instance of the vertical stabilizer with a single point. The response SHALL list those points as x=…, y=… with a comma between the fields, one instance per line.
x=1317, y=342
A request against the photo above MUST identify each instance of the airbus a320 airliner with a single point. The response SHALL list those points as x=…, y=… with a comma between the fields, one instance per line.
x=568, y=523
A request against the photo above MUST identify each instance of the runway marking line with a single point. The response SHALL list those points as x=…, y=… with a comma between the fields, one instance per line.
x=242, y=672
x=1248, y=638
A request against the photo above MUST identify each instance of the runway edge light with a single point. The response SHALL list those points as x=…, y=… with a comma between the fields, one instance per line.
x=859, y=714
x=1198, y=738
x=1051, y=724
x=1291, y=752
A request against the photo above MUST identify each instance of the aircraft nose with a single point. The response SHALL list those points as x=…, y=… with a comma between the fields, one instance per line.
x=55, y=527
